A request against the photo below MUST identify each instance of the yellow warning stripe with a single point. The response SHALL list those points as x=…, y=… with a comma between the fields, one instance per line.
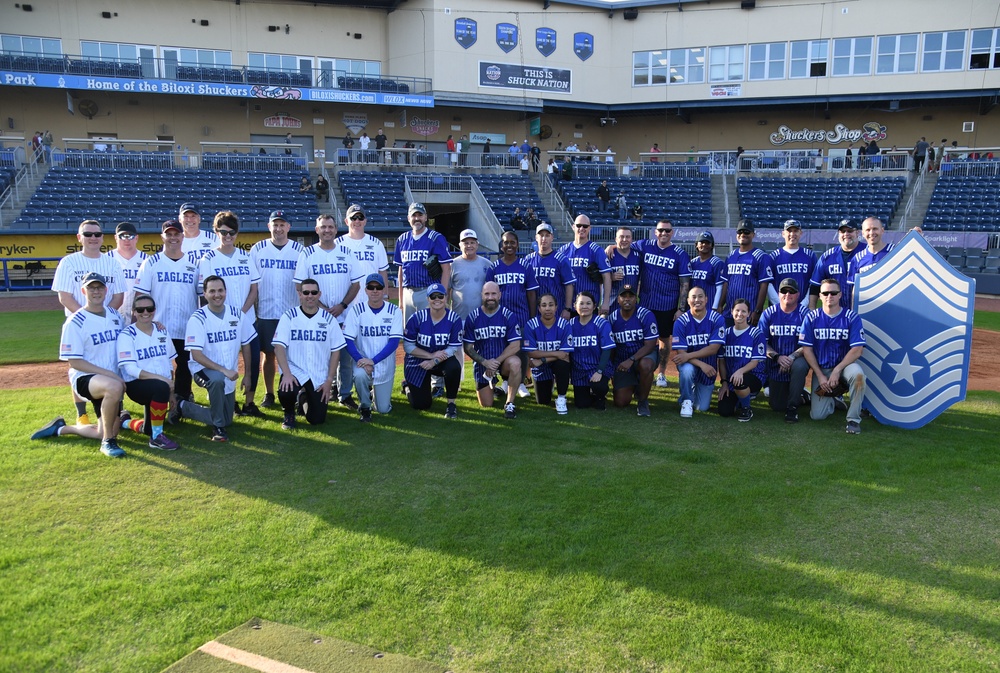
x=248, y=659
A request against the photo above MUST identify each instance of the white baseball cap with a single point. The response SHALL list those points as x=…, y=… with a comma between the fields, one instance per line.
x=468, y=233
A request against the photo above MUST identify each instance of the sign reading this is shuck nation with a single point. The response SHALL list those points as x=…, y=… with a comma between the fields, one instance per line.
x=917, y=312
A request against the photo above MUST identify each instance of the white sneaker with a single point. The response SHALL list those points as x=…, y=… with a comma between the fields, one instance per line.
x=502, y=387
x=561, y=408
x=522, y=391
x=661, y=381
x=687, y=409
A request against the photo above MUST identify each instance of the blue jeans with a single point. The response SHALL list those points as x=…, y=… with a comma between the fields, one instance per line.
x=700, y=394
x=383, y=392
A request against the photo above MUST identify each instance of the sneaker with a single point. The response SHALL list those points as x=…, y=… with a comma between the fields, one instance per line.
x=236, y=409
x=509, y=412
x=561, y=407
x=687, y=409
x=522, y=391
x=661, y=381
x=642, y=408
x=50, y=430
x=83, y=419
x=163, y=443
x=268, y=401
x=219, y=434
x=437, y=391
x=853, y=428
x=744, y=414
x=110, y=448
x=288, y=423
x=124, y=417
x=176, y=414
x=366, y=414
x=349, y=403
x=839, y=404
x=451, y=411
x=502, y=388
x=250, y=410
x=791, y=415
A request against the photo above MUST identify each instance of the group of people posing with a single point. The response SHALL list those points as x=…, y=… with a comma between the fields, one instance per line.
x=606, y=320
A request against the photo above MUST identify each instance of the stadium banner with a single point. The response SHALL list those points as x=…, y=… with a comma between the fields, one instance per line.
x=917, y=312
x=261, y=91
x=525, y=77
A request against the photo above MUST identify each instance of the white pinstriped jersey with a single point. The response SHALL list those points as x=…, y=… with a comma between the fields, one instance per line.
x=130, y=273
x=370, y=254
x=371, y=331
x=276, y=291
x=200, y=245
x=91, y=337
x=173, y=286
x=219, y=338
x=72, y=268
x=309, y=341
x=139, y=352
x=334, y=270
x=239, y=272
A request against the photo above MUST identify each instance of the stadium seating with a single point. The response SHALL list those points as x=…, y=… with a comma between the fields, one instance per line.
x=818, y=203
x=964, y=204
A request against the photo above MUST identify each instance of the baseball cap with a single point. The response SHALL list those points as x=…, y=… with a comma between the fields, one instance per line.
x=171, y=224
x=125, y=228
x=375, y=278
x=355, y=208
x=705, y=236
x=467, y=233
x=792, y=224
x=436, y=288
x=544, y=226
x=626, y=289
x=745, y=225
x=188, y=206
x=276, y=215
x=848, y=223
x=416, y=207
x=93, y=277
x=789, y=282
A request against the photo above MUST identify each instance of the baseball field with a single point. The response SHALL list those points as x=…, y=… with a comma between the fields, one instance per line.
x=590, y=542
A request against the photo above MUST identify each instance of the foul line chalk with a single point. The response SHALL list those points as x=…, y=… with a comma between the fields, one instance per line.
x=248, y=659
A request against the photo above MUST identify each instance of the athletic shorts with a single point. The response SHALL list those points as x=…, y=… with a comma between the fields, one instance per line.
x=265, y=330
x=665, y=323
x=630, y=379
x=83, y=387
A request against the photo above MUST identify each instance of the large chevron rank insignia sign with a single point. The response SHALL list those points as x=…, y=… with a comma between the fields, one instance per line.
x=917, y=312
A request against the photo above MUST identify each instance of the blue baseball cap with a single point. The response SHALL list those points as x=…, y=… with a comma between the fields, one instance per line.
x=277, y=215
x=93, y=277
x=705, y=236
x=188, y=207
x=375, y=278
x=436, y=288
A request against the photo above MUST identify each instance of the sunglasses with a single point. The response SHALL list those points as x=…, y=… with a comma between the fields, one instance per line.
x=225, y=232
x=830, y=293
x=372, y=288
x=787, y=290
x=126, y=237
x=582, y=226
x=309, y=293
x=664, y=231
x=144, y=309
x=92, y=234
x=357, y=217
x=436, y=295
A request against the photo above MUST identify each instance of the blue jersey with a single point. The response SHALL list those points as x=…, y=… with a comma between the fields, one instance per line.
x=691, y=335
x=588, y=342
x=744, y=272
x=660, y=273
x=490, y=334
x=863, y=261
x=832, y=264
x=781, y=330
x=831, y=337
x=631, y=334
x=740, y=348
x=708, y=276
x=796, y=265
x=515, y=281
x=431, y=336
x=629, y=267
x=552, y=273
x=411, y=253
x=579, y=259
x=538, y=337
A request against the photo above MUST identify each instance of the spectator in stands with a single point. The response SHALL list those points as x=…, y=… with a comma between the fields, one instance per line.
x=848, y=157
x=622, y=205
x=348, y=144
x=47, y=146
x=536, y=155
x=552, y=169
x=513, y=151
x=531, y=219
x=611, y=156
x=380, y=140
x=305, y=186
x=920, y=150
x=36, y=142
x=364, y=142
x=567, y=169
x=516, y=220
x=487, y=148
x=872, y=156
x=409, y=146
x=322, y=189
x=603, y=195
x=655, y=148
x=288, y=141
x=637, y=211
x=462, y=146
x=452, y=151
x=262, y=151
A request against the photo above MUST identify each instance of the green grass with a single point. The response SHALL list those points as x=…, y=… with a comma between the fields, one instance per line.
x=592, y=542
x=987, y=320
x=30, y=336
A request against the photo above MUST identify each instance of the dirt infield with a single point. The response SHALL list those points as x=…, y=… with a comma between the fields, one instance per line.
x=984, y=370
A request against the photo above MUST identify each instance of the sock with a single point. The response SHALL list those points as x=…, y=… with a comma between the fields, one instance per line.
x=135, y=425
x=81, y=408
x=157, y=412
x=744, y=401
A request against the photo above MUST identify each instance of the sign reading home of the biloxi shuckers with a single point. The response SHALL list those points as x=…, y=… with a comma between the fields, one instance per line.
x=917, y=311
x=533, y=77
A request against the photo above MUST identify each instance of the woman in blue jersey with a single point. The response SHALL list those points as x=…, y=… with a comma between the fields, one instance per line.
x=431, y=339
x=592, y=343
x=741, y=364
x=546, y=343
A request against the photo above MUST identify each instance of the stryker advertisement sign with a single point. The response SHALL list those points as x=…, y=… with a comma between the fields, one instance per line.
x=525, y=77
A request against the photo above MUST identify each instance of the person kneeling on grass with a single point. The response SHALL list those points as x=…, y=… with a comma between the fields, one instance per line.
x=373, y=329
x=493, y=341
x=741, y=366
x=546, y=342
x=88, y=344
x=431, y=339
x=590, y=337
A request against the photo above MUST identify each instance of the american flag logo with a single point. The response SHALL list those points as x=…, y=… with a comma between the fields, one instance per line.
x=190, y=339
x=124, y=355
x=66, y=348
